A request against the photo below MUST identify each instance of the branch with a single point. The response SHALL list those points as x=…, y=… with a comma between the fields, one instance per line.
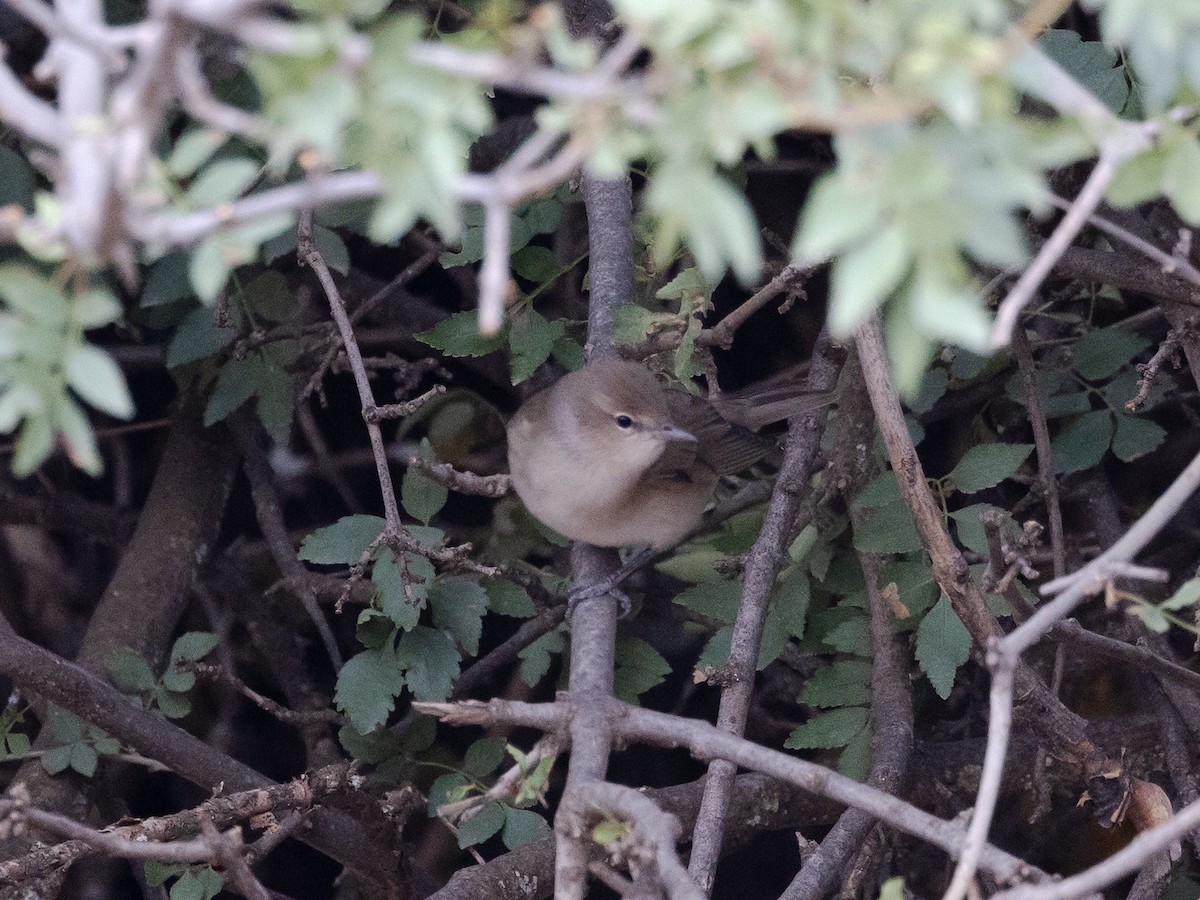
x=706, y=741
x=41, y=672
x=777, y=533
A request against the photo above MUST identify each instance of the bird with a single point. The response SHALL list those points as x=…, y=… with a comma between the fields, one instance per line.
x=608, y=456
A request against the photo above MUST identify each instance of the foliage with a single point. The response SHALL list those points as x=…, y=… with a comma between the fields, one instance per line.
x=931, y=140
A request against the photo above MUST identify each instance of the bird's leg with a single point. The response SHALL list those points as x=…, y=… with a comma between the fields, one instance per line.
x=610, y=582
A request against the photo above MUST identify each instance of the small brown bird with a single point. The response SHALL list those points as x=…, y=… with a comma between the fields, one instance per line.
x=606, y=455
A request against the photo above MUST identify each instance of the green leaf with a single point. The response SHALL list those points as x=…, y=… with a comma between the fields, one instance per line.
x=843, y=683
x=1139, y=178
x=129, y=672
x=1179, y=178
x=194, y=148
x=943, y=644
x=481, y=826
x=458, y=606
x=986, y=465
x=718, y=600
x=157, y=872
x=236, y=383
x=422, y=497
x=222, y=181
x=1082, y=444
x=532, y=338
x=1102, y=352
x=430, y=662
x=1135, y=437
x=198, y=336
x=448, y=788
x=835, y=216
x=64, y=725
x=864, y=276
x=367, y=687
x=459, y=335
x=95, y=308
x=343, y=542
x=32, y=295
x=1187, y=596
x=889, y=526
x=93, y=375
x=332, y=249
x=969, y=522
x=84, y=759
x=402, y=607
x=16, y=179
x=536, y=658
x=522, y=826
x=172, y=705
x=855, y=760
x=508, y=599
x=56, y=759
x=1092, y=63
x=193, y=645
x=483, y=756
x=639, y=668
x=834, y=728
x=536, y=264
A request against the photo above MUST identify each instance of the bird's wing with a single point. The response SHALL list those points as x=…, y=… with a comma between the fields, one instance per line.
x=721, y=445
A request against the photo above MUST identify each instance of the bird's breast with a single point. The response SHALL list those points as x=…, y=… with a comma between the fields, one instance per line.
x=588, y=495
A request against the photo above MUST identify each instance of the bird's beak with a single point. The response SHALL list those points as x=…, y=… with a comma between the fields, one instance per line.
x=675, y=433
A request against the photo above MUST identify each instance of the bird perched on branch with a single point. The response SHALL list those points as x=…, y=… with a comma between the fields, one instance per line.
x=606, y=455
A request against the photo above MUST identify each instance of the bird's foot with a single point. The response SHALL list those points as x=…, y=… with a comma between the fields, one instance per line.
x=607, y=587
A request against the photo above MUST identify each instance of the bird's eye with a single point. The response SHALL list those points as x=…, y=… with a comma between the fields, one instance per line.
x=623, y=421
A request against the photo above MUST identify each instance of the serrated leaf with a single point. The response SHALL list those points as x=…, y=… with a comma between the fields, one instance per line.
x=367, y=687
x=193, y=645
x=458, y=606
x=1082, y=444
x=508, y=599
x=343, y=542
x=484, y=755
x=523, y=826
x=888, y=526
x=172, y=705
x=430, y=663
x=422, y=497
x=943, y=644
x=129, y=672
x=536, y=264
x=1102, y=352
x=718, y=600
x=639, y=668
x=448, y=788
x=196, y=337
x=536, y=658
x=969, y=522
x=843, y=683
x=481, y=826
x=459, y=335
x=402, y=607
x=986, y=465
x=1135, y=437
x=834, y=728
x=532, y=338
